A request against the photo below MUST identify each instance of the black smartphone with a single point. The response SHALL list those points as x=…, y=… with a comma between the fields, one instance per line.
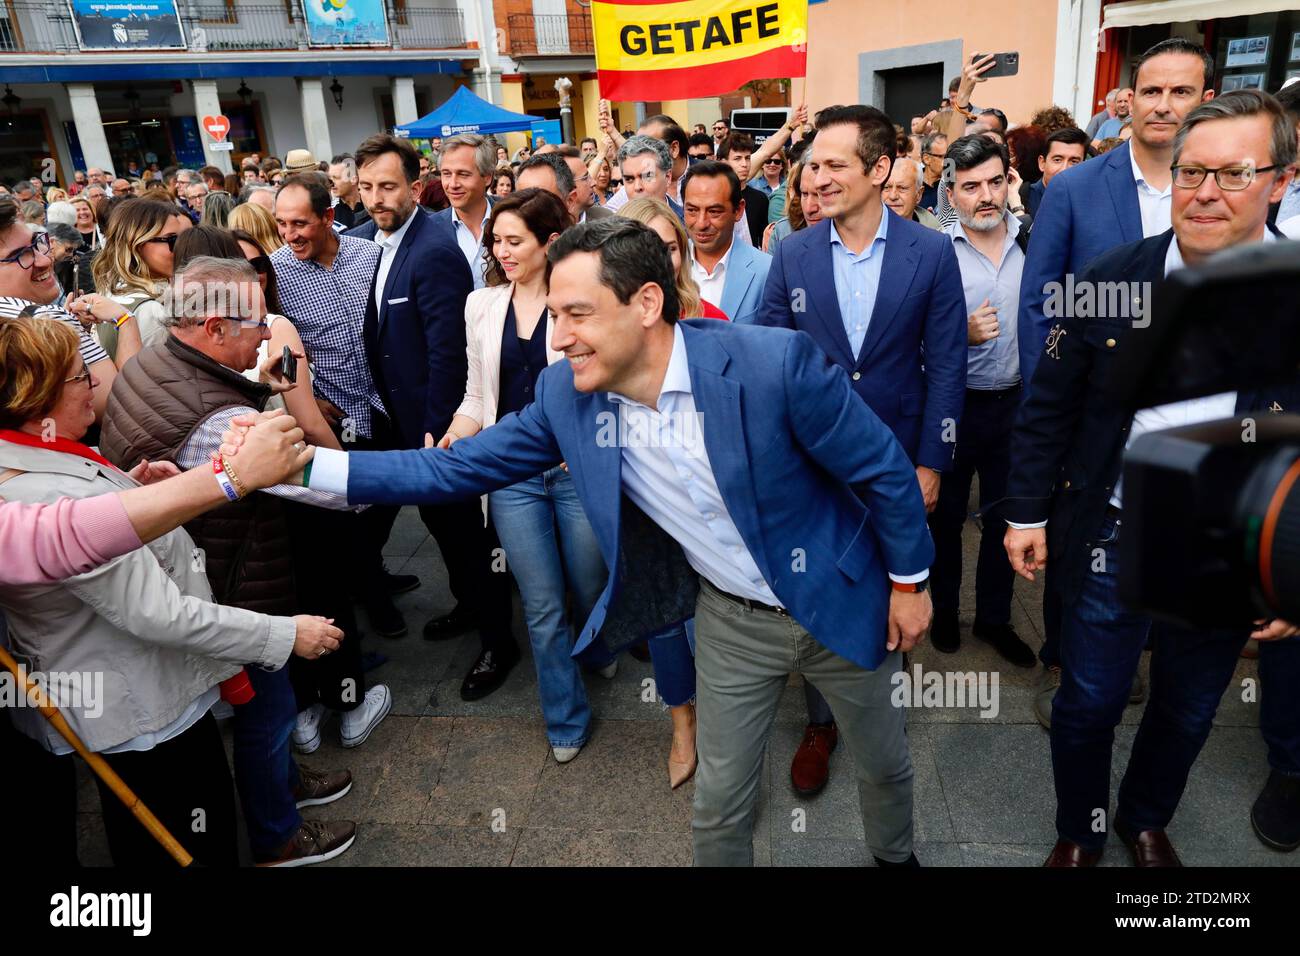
x=288, y=365
x=1004, y=64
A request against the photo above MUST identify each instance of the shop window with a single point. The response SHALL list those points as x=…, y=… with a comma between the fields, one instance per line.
x=218, y=11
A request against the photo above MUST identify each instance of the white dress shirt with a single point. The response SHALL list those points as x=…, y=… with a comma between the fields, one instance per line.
x=711, y=285
x=1154, y=204
x=388, y=243
x=472, y=248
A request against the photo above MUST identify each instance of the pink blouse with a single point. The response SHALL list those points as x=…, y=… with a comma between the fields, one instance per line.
x=43, y=543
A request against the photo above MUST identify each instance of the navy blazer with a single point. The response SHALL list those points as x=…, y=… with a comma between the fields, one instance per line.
x=415, y=340
x=912, y=367
x=1067, y=447
x=782, y=428
x=1090, y=209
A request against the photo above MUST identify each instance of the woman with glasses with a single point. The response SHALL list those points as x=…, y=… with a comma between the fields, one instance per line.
x=144, y=624
x=135, y=263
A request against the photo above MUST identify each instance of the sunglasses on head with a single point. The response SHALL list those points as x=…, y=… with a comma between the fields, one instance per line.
x=261, y=263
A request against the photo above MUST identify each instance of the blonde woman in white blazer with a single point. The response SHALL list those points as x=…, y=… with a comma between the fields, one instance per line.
x=549, y=544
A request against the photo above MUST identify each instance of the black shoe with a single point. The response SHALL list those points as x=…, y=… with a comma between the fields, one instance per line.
x=1006, y=642
x=910, y=863
x=1275, y=817
x=451, y=625
x=945, y=633
x=488, y=673
x=386, y=619
x=400, y=583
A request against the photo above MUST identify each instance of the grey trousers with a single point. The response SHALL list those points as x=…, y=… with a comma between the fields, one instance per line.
x=743, y=659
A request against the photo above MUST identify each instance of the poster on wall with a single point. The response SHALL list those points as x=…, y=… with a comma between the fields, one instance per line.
x=1243, y=81
x=345, y=23
x=127, y=25
x=1295, y=46
x=1247, y=51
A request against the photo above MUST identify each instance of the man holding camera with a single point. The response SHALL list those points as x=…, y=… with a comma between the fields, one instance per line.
x=1231, y=158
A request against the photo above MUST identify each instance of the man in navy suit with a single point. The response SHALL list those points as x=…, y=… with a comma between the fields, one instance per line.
x=883, y=298
x=1120, y=197
x=1231, y=158
x=697, y=448
x=415, y=344
x=730, y=274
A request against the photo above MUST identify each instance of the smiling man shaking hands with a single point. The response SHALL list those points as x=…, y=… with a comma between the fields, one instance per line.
x=714, y=523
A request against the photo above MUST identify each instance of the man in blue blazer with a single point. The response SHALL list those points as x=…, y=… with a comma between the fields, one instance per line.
x=882, y=296
x=1120, y=197
x=730, y=274
x=415, y=344
x=1065, y=499
x=727, y=472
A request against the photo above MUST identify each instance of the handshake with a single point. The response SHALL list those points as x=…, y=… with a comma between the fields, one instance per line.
x=266, y=449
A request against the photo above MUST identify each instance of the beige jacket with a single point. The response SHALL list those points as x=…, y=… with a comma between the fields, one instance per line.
x=485, y=323
x=144, y=621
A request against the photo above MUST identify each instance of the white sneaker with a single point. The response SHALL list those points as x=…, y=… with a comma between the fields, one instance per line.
x=306, y=732
x=358, y=723
x=609, y=670
x=565, y=754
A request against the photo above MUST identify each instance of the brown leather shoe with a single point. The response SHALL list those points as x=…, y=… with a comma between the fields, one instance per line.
x=811, y=766
x=1148, y=847
x=1067, y=853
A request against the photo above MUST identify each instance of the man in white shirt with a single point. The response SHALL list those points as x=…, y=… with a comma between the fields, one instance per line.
x=466, y=165
x=1231, y=158
x=730, y=275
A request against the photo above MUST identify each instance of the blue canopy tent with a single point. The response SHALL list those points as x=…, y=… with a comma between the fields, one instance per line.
x=466, y=113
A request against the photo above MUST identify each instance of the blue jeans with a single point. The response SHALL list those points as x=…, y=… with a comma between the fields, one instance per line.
x=1279, y=703
x=265, y=773
x=551, y=549
x=1101, y=645
x=673, y=658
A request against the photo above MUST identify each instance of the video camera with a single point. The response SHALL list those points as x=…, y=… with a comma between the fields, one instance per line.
x=1213, y=531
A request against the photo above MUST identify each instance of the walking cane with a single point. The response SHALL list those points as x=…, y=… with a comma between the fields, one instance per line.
x=97, y=764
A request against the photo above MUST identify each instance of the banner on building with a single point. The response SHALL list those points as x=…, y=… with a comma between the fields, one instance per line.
x=127, y=25
x=681, y=49
x=346, y=23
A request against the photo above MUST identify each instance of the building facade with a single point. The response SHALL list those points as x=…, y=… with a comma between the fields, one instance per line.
x=901, y=56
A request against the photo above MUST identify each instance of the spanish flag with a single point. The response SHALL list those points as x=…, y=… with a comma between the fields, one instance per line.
x=679, y=49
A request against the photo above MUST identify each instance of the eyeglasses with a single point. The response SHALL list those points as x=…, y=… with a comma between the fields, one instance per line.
x=261, y=263
x=83, y=377
x=26, y=256
x=169, y=239
x=247, y=323
x=1230, y=178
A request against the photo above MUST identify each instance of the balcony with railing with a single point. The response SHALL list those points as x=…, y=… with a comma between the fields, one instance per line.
x=557, y=34
x=31, y=26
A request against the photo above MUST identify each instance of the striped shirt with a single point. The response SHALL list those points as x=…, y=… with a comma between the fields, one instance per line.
x=91, y=350
x=328, y=307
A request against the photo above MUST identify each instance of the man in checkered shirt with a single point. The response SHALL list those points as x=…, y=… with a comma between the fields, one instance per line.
x=324, y=281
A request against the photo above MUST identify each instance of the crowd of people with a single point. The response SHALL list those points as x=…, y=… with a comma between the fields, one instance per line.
x=287, y=355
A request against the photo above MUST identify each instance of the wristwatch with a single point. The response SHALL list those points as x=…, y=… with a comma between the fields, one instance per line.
x=914, y=587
